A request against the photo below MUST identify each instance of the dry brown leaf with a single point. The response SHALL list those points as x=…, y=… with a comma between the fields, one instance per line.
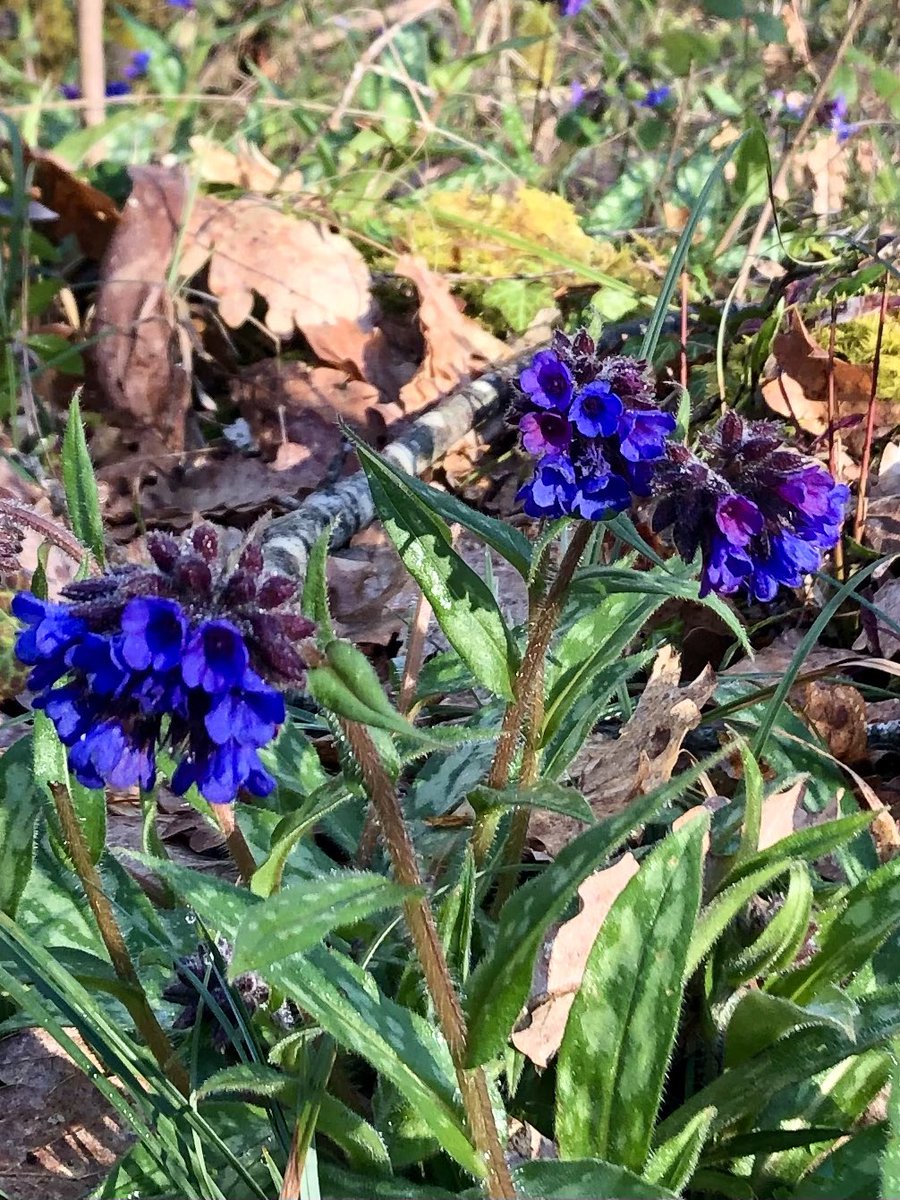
x=772, y=661
x=887, y=599
x=58, y=1136
x=560, y=966
x=307, y=275
x=456, y=347
x=778, y=813
x=525, y=1144
x=612, y=771
x=795, y=31
x=796, y=385
x=82, y=210
x=837, y=713
x=828, y=164
x=136, y=375
x=246, y=168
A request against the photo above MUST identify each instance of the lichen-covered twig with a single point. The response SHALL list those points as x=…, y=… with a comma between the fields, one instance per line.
x=348, y=504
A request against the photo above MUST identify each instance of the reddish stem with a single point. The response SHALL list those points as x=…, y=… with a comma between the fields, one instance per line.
x=859, y=523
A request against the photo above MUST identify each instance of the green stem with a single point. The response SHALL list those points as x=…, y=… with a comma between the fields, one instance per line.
x=134, y=999
x=420, y=919
x=529, y=681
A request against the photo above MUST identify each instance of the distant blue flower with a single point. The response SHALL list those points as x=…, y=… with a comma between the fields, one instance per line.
x=656, y=97
x=577, y=93
x=118, y=87
x=137, y=64
x=761, y=515
x=70, y=91
x=571, y=8
x=184, y=4
x=179, y=655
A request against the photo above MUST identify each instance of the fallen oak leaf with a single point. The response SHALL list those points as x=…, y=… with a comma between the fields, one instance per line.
x=796, y=386
x=246, y=167
x=560, y=966
x=308, y=276
x=82, y=211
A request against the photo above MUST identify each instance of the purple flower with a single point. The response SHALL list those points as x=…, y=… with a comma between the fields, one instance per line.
x=643, y=433
x=215, y=659
x=595, y=410
x=551, y=490
x=154, y=633
x=761, y=515
x=593, y=425
x=181, y=655
x=656, y=97
x=118, y=87
x=571, y=8
x=137, y=64
x=547, y=382
x=577, y=93
x=545, y=433
x=187, y=5
x=70, y=91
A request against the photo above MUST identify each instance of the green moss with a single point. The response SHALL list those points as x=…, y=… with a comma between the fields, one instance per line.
x=855, y=341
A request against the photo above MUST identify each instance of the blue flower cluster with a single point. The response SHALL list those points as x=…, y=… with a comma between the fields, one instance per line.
x=656, y=97
x=593, y=426
x=761, y=515
x=140, y=658
x=831, y=115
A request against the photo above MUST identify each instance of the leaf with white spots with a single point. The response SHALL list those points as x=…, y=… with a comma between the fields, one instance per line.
x=620, y=1032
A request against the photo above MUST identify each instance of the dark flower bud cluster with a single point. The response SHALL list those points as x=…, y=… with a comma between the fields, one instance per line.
x=198, y=976
x=762, y=515
x=181, y=654
x=594, y=427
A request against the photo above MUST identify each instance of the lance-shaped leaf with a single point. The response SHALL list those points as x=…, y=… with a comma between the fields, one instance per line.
x=620, y=1032
x=81, y=485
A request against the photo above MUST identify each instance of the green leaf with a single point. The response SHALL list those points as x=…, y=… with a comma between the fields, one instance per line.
x=759, y=1020
x=285, y=836
x=254, y=1079
x=221, y=906
x=81, y=486
x=509, y=542
x=363, y=1145
x=622, y=1025
x=890, y=1163
x=315, y=585
x=349, y=687
x=777, y=945
x=718, y=915
x=518, y=301
x=850, y=1172
x=500, y=983
x=550, y=796
x=807, y=844
x=20, y=804
x=591, y=1177
x=673, y=1163
x=870, y=913
x=340, y=1184
x=456, y=919
x=401, y=1046
x=463, y=604
x=50, y=767
x=303, y=914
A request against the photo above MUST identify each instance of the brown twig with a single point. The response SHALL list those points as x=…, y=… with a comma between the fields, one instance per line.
x=18, y=514
x=859, y=522
x=762, y=224
x=415, y=653
x=134, y=997
x=90, y=60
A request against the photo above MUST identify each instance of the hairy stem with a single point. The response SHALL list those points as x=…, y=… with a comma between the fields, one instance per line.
x=529, y=680
x=420, y=919
x=235, y=842
x=134, y=999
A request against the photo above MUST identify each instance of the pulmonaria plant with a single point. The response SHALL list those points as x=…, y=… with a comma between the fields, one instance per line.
x=762, y=515
x=182, y=654
x=593, y=425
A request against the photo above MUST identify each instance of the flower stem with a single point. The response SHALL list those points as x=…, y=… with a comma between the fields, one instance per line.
x=134, y=998
x=236, y=843
x=529, y=680
x=420, y=919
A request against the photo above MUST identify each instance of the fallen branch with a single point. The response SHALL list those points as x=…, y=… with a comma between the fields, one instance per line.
x=288, y=539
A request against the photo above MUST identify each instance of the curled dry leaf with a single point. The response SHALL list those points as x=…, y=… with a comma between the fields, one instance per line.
x=456, y=347
x=308, y=276
x=612, y=771
x=525, y=1144
x=796, y=386
x=246, y=167
x=135, y=369
x=827, y=164
x=83, y=211
x=778, y=814
x=837, y=713
x=560, y=965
